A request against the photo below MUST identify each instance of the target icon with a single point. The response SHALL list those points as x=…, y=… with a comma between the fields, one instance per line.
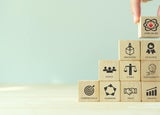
x=89, y=90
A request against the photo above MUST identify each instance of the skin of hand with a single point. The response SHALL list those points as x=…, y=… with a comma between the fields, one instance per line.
x=136, y=9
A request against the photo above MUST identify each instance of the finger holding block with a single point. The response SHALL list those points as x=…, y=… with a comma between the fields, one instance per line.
x=149, y=27
x=109, y=91
x=88, y=91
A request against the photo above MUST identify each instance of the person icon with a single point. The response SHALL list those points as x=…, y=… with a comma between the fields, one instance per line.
x=114, y=69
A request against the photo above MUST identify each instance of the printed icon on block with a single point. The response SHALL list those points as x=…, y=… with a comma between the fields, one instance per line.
x=131, y=91
x=150, y=70
x=151, y=91
x=129, y=70
x=109, y=91
x=151, y=24
x=149, y=27
x=108, y=70
x=89, y=91
x=129, y=50
x=150, y=50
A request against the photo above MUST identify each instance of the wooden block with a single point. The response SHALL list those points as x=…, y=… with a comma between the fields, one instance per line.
x=150, y=70
x=149, y=27
x=109, y=91
x=129, y=70
x=150, y=91
x=129, y=49
x=130, y=91
x=108, y=70
x=89, y=91
x=150, y=50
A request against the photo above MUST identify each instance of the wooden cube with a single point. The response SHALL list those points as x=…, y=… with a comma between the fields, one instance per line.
x=129, y=49
x=89, y=91
x=149, y=27
x=108, y=70
x=109, y=91
x=131, y=91
x=150, y=50
x=151, y=91
x=130, y=70
x=150, y=70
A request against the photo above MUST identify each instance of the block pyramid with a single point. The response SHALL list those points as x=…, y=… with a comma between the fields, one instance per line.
x=135, y=76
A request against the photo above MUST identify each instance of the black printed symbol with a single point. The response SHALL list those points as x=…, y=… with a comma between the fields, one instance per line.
x=109, y=69
x=110, y=90
x=151, y=69
x=151, y=24
x=89, y=90
x=131, y=68
x=130, y=91
x=151, y=92
x=150, y=49
x=129, y=50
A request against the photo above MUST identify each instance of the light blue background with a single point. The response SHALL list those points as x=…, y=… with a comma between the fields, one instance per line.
x=61, y=41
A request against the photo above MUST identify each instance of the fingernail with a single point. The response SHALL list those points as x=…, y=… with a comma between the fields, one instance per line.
x=135, y=19
x=158, y=12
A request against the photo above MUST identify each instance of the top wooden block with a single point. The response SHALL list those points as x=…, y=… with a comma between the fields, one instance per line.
x=149, y=27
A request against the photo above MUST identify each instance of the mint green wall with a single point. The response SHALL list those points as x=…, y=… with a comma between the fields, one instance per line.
x=61, y=41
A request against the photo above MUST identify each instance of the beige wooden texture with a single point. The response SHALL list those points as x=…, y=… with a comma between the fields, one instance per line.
x=129, y=50
x=88, y=91
x=131, y=91
x=130, y=70
x=150, y=70
x=149, y=27
x=151, y=91
x=150, y=50
x=108, y=70
x=109, y=91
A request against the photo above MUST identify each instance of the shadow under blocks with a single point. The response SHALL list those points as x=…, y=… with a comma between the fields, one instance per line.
x=135, y=76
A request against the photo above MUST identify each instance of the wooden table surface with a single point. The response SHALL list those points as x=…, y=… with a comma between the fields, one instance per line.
x=63, y=100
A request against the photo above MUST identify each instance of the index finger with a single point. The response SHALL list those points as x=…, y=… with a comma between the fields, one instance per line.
x=136, y=10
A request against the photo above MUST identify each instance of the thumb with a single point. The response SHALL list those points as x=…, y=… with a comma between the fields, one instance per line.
x=158, y=12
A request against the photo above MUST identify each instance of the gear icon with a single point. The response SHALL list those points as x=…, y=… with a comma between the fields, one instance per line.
x=110, y=90
x=151, y=24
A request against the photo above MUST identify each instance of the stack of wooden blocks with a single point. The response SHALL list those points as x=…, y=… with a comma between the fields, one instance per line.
x=135, y=77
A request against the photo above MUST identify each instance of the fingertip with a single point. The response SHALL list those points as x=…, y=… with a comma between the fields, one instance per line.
x=135, y=19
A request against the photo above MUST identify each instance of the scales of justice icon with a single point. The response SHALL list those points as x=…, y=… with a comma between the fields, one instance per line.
x=130, y=68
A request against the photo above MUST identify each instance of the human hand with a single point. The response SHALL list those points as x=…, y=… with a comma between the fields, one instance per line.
x=136, y=9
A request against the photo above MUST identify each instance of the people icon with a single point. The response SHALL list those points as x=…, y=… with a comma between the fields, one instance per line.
x=109, y=69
